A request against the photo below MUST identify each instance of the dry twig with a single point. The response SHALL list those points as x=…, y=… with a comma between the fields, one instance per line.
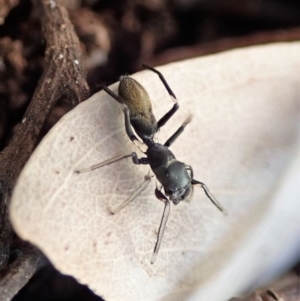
x=63, y=78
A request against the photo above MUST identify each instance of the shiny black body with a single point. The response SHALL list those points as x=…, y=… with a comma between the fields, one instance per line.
x=171, y=173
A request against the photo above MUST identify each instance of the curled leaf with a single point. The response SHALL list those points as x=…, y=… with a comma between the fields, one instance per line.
x=242, y=143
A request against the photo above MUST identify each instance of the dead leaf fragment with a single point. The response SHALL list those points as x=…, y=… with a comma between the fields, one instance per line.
x=242, y=142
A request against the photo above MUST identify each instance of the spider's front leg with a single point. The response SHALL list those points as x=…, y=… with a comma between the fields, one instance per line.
x=163, y=222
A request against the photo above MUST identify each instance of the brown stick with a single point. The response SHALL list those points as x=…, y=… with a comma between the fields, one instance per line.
x=63, y=78
x=264, y=37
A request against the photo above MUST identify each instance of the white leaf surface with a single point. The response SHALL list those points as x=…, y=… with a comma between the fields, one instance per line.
x=242, y=142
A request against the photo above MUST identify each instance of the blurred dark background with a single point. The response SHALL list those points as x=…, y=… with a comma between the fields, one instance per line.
x=116, y=36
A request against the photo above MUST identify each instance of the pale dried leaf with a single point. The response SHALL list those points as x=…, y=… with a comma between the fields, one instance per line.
x=242, y=142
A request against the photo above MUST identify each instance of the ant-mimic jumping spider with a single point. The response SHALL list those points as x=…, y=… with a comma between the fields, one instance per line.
x=175, y=177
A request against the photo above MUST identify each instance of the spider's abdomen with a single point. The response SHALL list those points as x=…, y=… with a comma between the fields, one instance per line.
x=137, y=100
